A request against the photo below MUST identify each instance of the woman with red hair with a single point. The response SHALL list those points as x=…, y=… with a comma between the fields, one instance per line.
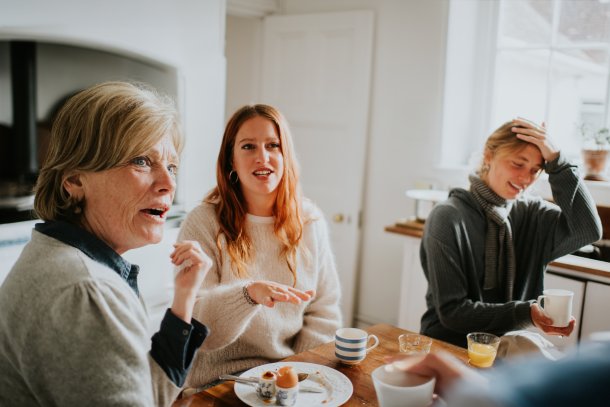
x=273, y=289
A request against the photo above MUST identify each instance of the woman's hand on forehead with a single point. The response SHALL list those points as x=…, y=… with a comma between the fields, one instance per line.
x=531, y=132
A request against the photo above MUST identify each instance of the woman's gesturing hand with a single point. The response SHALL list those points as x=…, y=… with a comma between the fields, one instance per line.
x=267, y=293
x=544, y=323
x=193, y=265
x=535, y=134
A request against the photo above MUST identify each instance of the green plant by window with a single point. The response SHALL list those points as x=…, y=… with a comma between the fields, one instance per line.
x=599, y=137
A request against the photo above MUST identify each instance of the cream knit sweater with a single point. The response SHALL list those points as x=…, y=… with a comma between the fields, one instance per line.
x=243, y=335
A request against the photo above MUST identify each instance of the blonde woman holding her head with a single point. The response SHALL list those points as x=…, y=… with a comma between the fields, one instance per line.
x=485, y=250
x=273, y=289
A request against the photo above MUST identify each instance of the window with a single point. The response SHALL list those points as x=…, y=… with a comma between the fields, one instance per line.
x=546, y=60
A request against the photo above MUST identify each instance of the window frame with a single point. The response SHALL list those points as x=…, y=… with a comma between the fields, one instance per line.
x=466, y=123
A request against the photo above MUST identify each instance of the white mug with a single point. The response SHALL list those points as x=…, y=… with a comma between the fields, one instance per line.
x=396, y=388
x=557, y=304
x=351, y=345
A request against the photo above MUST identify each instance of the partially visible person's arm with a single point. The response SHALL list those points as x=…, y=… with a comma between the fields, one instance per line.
x=445, y=368
x=579, y=379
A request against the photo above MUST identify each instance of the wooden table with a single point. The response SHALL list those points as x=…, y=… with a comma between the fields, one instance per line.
x=359, y=375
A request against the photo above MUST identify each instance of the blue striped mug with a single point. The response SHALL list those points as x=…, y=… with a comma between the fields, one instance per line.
x=351, y=345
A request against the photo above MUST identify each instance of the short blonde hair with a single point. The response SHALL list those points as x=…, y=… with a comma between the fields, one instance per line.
x=502, y=141
x=97, y=129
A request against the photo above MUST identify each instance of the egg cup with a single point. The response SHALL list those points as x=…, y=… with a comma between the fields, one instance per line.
x=266, y=387
x=287, y=396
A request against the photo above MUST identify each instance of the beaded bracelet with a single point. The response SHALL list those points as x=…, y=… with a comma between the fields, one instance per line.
x=249, y=299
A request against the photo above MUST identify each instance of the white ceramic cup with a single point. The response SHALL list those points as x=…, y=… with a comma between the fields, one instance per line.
x=351, y=345
x=557, y=304
x=396, y=388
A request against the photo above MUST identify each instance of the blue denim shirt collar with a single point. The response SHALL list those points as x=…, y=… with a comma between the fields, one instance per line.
x=93, y=247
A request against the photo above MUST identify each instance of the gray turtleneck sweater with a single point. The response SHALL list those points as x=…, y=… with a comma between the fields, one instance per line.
x=453, y=255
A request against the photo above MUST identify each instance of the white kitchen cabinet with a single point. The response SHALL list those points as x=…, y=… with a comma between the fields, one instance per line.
x=413, y=286
x=596, y=307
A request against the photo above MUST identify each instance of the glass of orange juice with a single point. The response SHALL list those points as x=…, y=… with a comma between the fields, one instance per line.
x=482, y=348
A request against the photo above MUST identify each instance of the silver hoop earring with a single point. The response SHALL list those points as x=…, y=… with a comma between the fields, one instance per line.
x=233, y=177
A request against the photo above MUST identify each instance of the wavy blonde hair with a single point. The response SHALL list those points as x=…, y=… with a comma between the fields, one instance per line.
x=229, y=201
x=97, y=129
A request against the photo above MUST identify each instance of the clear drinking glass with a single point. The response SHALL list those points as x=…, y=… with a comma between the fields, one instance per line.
x=414, y=344
x=482, y=348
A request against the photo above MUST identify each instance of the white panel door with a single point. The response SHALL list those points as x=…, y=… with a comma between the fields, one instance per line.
x=413, y=287
x=317, y=70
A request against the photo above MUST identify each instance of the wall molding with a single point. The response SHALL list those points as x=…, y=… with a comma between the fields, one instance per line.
x=252, y=8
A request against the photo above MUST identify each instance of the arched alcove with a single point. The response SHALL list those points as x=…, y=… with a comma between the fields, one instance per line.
x=58, y=71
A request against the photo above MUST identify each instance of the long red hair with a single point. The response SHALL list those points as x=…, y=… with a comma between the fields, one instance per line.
x=231, y=208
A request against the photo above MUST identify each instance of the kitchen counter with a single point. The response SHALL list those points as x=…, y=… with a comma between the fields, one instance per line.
x=570, y=265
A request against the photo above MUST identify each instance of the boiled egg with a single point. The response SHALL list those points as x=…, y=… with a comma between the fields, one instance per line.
x=286, y=377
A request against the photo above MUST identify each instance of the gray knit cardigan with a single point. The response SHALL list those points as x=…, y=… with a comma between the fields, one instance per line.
x=73, y=333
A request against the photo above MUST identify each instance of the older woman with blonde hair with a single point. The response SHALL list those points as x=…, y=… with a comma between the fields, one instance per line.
x=485, y=250
x=73, y=328
x=273, y=289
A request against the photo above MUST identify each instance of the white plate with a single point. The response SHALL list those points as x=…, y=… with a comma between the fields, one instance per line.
x=337, y=387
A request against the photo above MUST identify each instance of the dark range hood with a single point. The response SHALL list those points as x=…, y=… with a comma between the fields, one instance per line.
x=18, y=144
x=23, y=79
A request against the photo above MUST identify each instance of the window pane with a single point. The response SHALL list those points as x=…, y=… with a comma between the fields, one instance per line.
x=584, y=21
x=525, y=22
x=579, y=81
x=520, y=86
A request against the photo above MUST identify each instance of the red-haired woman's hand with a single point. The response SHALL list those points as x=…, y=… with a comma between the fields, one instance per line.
x=267, y=293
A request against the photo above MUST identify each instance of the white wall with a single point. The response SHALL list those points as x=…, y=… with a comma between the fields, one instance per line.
x=404, y=122
x=243, y=50
x=185, y=34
